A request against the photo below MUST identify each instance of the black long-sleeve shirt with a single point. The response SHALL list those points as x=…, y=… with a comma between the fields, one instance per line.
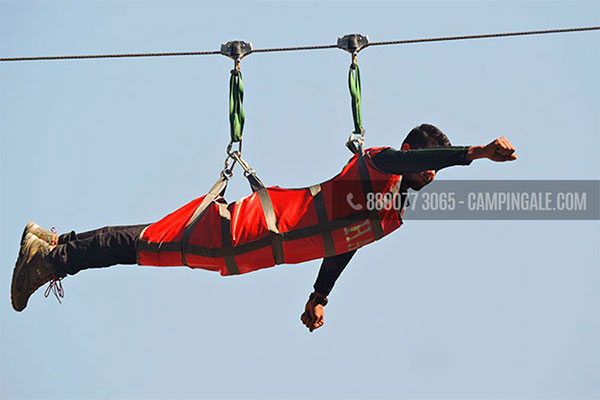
x=394, y=162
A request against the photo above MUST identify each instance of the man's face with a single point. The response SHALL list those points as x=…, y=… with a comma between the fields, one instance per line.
x=418, y=180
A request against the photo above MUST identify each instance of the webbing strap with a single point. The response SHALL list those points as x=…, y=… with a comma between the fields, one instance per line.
x=271, y=219
x=226, y=242
x=277, y=248
x=355, y=94
x=404, y=199
x=326, y=234
x=255, y=182
x=236, y=105
x=217, y=189
x=367, y=187
x=357, y=137
x=268, y=210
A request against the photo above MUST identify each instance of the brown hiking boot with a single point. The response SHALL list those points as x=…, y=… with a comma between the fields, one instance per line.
x=47, y=236
x=33, y=270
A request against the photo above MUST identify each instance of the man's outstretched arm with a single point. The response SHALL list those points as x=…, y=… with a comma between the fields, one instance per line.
x=432, y=158
x=331, y=269
x=436, y=158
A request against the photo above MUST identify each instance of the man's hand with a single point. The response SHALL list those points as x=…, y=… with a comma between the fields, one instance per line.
x=499, y=150
x=313, y=315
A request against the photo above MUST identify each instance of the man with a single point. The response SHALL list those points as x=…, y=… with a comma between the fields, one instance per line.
x=47, y=257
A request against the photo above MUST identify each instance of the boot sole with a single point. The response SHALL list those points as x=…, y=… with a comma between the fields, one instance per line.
x=21, y=261
x=13, y=294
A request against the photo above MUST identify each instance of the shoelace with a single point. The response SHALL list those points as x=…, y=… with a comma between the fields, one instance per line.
x=54, y=241
x=56, y=288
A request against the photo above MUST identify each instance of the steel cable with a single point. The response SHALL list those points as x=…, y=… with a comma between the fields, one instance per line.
x=299, y=48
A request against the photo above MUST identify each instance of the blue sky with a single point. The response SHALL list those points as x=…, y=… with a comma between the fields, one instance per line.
x=440, y=309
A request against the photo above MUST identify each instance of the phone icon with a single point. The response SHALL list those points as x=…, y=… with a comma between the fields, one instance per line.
x=354, y=206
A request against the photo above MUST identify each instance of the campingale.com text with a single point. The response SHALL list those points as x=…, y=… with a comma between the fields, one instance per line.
x=480, y=201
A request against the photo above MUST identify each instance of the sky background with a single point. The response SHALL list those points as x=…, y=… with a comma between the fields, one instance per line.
x=439, y=310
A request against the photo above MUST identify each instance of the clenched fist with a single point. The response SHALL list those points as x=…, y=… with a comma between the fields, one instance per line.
x=498, y=150
x=313, y=315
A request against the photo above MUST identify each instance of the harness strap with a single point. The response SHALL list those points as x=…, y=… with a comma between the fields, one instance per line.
x=367, y=187
x=326, y=234
x=355, y=94
x=217, y=189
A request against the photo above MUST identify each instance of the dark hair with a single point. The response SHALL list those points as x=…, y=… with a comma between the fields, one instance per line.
x=426, y=135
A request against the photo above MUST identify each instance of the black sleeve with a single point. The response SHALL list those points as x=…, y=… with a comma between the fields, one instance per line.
x=399, y=161
x=330, y=271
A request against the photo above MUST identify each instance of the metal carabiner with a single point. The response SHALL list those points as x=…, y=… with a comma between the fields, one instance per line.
x=355, y=141
x=227, y=174
x=238, y=157
x=227, y=171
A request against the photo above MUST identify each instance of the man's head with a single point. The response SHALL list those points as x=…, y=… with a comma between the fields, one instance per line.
x=421, y=137
x=424, y=136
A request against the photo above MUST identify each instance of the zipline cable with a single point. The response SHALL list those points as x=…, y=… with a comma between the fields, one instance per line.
x=46, y=58
x=485, y=36
x=300, y=48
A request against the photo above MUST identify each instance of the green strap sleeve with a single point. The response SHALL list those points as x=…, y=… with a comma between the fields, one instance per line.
x=236, y=105
x=355, y=93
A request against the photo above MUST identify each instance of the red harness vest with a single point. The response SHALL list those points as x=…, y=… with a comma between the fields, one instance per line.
x=275, y=225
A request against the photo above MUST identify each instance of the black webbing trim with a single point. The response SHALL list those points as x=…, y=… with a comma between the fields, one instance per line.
x=211, y=252
x=212, y=194
x=321, y=210
x=144, y=245
x=367, y=186
x=277, y=248
x=234, y=251
x=333, y=225
x=230, y=263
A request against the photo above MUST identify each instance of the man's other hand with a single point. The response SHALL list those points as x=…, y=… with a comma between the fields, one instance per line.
x=499, y=150
x=313, y=315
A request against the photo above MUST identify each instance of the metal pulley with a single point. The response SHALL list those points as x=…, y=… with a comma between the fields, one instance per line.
x=236, y=50
x=353, y=43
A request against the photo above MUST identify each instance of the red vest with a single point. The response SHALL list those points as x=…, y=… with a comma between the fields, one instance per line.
x=275, y=225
